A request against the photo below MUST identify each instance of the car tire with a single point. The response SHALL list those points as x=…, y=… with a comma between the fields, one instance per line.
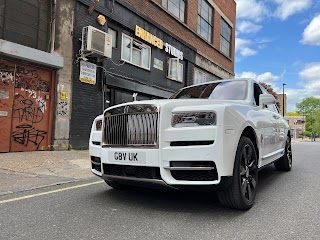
x=285, y=162
x=242, y=191
x=115, y=185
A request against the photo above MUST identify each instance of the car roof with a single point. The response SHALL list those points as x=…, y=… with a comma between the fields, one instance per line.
x=220, y=80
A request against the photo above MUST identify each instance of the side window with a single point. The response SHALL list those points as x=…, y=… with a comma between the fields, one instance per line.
x=256, y=93
x=135, y=52
x=175, y=69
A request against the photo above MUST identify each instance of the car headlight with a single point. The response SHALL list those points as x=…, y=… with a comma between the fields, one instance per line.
x=98, y=125
x=193, y=119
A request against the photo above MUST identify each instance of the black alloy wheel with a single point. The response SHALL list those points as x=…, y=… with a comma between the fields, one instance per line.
x=285, y=162
x=248, y=173
x=242, y=191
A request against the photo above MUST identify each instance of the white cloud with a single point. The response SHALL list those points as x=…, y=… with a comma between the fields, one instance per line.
x=310, y=85
x=311, y=34
x=243, y=47
x=248, y=27
x=247, y=75
x=266, y=77
x=286, y=8
x=311, y=72
x=251, y=9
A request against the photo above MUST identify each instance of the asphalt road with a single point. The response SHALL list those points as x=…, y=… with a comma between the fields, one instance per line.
x=287, y=207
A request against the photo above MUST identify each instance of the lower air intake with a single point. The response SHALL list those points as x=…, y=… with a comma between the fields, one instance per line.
x=195, y=175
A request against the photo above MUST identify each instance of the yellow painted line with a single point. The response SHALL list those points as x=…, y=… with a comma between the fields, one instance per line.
x=49, y=192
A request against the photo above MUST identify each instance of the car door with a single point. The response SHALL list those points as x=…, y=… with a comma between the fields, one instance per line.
x=266, y=126
x=280, y=126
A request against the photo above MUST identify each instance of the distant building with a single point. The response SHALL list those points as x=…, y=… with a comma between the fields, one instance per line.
x=280, y=100
x=297, y=125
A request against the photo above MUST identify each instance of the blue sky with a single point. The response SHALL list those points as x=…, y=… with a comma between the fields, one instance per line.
x=278, y=41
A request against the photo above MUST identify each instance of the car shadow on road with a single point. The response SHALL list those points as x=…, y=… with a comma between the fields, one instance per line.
x=180, y=201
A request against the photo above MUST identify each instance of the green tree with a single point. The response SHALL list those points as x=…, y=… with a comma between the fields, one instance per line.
x=310, y=107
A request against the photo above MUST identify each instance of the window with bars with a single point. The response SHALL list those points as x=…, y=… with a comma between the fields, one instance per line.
x=175, y=69
x=176, y=7
x=135, y=52
x=205, y=20
x=26, y=22
x=225, y=38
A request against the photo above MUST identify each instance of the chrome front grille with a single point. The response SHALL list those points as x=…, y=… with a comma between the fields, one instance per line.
x=132, y=125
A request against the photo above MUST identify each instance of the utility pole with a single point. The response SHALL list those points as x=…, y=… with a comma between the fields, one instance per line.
x=283, y=84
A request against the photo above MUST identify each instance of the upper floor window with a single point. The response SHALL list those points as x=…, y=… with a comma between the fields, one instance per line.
x=225, y=38
x=175, y=69
x=205, y=20
x=199, y=77
x=176, y=7
x=114, y=37
x=135, y=52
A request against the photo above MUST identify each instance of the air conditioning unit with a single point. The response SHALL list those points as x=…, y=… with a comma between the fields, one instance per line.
x=96, y=42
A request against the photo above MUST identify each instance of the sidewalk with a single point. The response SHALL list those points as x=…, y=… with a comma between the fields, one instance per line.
x=29, y=170
x=305, y=139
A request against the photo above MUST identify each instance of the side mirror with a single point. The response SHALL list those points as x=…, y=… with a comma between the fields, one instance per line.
x=266, y=99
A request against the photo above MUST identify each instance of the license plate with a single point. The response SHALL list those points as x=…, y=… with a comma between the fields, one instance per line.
x=128, y=157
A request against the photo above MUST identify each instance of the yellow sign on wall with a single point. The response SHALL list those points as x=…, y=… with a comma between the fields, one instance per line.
x=148, y=37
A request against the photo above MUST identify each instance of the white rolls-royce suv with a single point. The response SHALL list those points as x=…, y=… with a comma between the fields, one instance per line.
x=211, y=136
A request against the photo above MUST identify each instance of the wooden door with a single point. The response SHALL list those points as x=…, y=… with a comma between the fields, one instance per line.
x=31, y=109
x=6, y=100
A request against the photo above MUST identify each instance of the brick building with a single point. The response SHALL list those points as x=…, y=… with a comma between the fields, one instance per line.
x=297, y=125
x=282, y=100
x=158, y=46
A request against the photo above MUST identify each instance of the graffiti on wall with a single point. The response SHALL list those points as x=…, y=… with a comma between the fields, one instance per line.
x=27, y=110
x=42, y=105
x=26, y=134
x=6, y=74
x=5, y=78
x=4, y=94
x=62, y=108
x=23, y=78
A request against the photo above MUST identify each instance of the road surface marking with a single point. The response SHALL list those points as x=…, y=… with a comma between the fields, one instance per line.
x=49, y=192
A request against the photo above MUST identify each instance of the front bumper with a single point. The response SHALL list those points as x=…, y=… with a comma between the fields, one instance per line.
x=193, y=156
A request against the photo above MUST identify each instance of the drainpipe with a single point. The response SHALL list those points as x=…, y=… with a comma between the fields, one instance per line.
x=53, y=25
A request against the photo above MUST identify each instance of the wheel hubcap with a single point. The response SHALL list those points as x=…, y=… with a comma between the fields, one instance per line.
x=248, y=173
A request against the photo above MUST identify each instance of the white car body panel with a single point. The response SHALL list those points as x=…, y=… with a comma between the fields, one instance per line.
x=232, y=118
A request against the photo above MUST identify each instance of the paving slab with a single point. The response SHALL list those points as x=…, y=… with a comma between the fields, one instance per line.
x=21, y=171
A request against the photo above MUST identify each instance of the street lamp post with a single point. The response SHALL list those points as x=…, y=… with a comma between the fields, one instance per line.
x=283, y=84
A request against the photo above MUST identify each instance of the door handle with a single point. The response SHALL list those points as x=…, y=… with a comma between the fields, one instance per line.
x=275, y=117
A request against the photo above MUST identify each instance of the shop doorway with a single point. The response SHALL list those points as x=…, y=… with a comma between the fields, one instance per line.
x=25, y=107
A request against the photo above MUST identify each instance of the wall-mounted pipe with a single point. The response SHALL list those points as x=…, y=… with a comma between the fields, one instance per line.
x=53, y=25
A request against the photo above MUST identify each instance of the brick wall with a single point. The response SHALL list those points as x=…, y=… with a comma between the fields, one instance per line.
x=152, y=9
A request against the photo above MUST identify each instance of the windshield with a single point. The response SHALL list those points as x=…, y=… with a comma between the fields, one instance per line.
x=228, y=90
